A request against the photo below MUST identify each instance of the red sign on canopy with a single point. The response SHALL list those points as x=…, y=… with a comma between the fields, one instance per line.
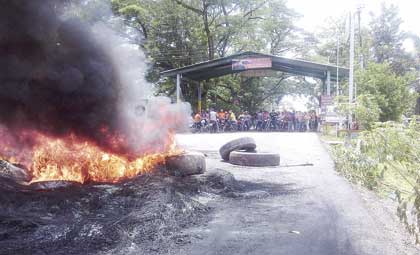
x=251, y=63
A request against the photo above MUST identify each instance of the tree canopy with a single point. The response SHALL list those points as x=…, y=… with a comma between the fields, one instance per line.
x=388, y=38
x=182, y=32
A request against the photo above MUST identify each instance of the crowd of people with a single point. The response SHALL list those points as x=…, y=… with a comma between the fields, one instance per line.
x=227, y=121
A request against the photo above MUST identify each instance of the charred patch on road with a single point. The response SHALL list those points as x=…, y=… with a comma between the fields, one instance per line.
x=146, y=214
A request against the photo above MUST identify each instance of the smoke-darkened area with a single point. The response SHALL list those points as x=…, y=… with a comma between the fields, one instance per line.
x=58, y=77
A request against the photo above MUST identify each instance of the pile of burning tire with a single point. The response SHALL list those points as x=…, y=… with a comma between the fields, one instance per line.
x=181, y=165
x=242, y=152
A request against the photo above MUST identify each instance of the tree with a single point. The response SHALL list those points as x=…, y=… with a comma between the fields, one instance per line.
x=381, y=43
x=253, y=93
x=326, y=49
x=268, y=27
x=388, y=38
x=337, y=28
x=182, y=32
x=415, y=39
x=248, y=93
x=389, y=90
x=367, y=111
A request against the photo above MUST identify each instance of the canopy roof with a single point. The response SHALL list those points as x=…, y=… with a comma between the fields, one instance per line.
x=224, y=66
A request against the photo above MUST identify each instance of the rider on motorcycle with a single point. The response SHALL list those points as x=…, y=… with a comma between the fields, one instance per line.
x=232, y=120
x=274, y=122
x=197, y=121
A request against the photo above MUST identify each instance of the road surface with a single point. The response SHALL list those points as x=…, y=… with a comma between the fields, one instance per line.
x=309, y=209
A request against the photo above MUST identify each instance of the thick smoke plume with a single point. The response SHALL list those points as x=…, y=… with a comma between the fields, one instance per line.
x=61, y=76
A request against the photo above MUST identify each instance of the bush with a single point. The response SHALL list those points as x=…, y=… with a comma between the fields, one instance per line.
x=367, y=111
x=390, y=91
x=392, y=149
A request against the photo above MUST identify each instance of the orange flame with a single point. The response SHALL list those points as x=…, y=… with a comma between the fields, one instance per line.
x=71, y=159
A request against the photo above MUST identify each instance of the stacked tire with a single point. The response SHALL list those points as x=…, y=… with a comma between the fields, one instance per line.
x=243, y=152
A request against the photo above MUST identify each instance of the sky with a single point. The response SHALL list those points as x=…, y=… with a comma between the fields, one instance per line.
x=315, y=12
x=294, y=102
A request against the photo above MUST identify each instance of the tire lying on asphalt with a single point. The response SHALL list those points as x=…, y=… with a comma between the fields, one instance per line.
x=13, y=172
x=52, y=185
x=244, y=143
x=243, y=158
x=185, y=164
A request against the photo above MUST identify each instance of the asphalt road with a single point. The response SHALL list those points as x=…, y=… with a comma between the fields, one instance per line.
x=310, y=209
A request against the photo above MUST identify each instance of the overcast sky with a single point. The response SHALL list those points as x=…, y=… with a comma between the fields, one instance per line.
x=316, y=11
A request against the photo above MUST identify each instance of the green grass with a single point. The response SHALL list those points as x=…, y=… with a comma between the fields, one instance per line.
x=393, y=180
x=331, y=138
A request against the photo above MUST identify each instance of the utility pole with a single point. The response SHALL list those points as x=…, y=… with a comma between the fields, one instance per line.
x=338, y=63
x=178, y=88
x=351, y=60
x=359, y=30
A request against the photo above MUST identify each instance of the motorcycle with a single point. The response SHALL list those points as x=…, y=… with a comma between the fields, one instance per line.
x=213, y=127
x=230, y=126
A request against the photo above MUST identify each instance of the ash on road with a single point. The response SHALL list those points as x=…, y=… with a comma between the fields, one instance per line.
x=307, y=210
x=293, y=210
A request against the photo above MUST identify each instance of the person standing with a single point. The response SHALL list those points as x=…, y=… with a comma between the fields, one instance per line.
x=204, y=118
x=266, y=118
x=232, y=116
x=290, y=119
x=221, y=118
x=259, y=124
x=298, y=121
x=307, y=118
x=248, y=121
x=213, y=121
x=273, y=120
x=221, y=115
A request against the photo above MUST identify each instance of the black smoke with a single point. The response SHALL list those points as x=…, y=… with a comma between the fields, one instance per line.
x=55, y=77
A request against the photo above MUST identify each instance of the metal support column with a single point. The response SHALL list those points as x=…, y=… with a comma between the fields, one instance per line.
x=328, y=83
x=199, y=97
x=178, y=88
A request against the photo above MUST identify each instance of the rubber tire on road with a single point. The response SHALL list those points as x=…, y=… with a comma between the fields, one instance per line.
x=52, y=185
x=244, y=143
x=242, y=158
x=13, y=172
x=188, y=163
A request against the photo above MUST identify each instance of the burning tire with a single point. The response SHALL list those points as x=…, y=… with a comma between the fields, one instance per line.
x=10, y=171
x=242, y=158
x=52, y=185
x=188, y=163
x=244, y=143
